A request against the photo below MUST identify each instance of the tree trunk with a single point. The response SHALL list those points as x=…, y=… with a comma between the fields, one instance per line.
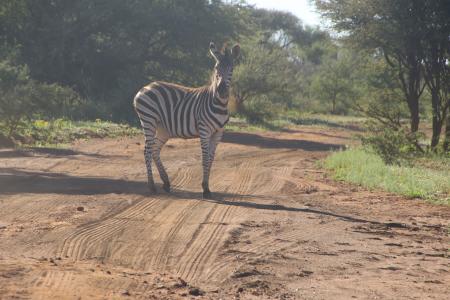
x=239, y=104
x=435, y=71
x=333, y=100
x=447, y=133
x=409, y=74
x=413, y=104
x=437, y=118
x=437, y=128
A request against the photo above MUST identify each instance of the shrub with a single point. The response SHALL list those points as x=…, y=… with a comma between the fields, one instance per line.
x=394, y=146
x=23, y=99
x=259, y=111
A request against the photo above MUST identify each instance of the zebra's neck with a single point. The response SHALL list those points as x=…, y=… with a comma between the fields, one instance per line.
x=216, y=97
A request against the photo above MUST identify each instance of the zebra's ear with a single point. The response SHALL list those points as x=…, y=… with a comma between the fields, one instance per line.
x=214, y=52
x=236, y=51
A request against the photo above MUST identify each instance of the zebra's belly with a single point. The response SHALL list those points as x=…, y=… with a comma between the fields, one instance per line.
x=165, y=133
x=185, y=136
x=182, y=133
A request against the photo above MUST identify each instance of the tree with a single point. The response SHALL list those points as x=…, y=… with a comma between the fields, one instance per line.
x=413, y=36
x=435, y=22
x=264, y=76
x=106, y=50
x=23, y=98
x=390, y=27
x=335, y=82
x=279, y=58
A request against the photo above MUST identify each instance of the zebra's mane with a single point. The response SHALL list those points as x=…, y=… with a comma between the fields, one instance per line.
x=186, y=88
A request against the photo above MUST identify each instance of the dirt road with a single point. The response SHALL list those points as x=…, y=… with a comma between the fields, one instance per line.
x=78, y=224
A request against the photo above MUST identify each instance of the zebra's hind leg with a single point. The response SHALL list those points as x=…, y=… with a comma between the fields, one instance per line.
x=150, y=134
x=161, y=138
x=148, y=164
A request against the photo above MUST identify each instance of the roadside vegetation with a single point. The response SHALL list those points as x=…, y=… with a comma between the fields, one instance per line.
x=293, y=118
x=60, y=132
x=407, y=86
x=428, y=178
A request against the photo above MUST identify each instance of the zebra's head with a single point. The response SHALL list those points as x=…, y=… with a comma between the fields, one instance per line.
x=223, y=70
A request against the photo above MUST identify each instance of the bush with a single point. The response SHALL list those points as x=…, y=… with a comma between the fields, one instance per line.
x=23, y=99
x=387, y=135
x=394, y=146
x=259, y=111
x=63, y=131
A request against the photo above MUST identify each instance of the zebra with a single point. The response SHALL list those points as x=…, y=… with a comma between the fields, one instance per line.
x=167, y=110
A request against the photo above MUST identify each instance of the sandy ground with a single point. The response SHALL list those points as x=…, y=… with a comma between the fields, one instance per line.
x=79, y=224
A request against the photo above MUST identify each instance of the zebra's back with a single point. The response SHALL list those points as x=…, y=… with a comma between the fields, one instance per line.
x=169, y=106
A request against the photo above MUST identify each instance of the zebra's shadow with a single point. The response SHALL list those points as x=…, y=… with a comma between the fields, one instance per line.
x=18, y=181
x=14, y=181
x=215, y=196
x=255, y=202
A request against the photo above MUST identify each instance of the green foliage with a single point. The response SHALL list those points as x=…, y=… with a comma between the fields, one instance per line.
x=326, y=120
x=386, y=111
x=106, y=51
x=412, y=36
x=393, y=146
x=264, y=81
x=290, y=118
x=277, y=62
x=366, y=169
x=62, y=131
x=23, y=98
x=336, y=82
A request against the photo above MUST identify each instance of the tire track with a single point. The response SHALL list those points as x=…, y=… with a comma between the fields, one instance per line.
x=272, y=173
x=161, y=258
x=200, y=243
x=177, y=231
x=51, y=280
x=273, y=183
x=79, y=243
x=167, y=224
x=206, y=238
x=276, y=181
x=211, y=237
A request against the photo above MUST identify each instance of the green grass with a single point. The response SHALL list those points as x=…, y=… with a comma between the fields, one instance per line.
x=293, y=118
x=321, y=120
x=60, y=132
x=366, y=169
x=240, y=124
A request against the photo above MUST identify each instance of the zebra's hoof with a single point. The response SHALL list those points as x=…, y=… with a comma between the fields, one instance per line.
x=152, y=189
x=166, y=187
x=207, y=195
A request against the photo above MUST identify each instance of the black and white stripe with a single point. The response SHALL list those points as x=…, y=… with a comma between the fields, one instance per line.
x=168, y=110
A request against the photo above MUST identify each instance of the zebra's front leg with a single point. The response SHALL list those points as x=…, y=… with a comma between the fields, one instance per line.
x=205, y=144
x=161, y=138
x=214, y=141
